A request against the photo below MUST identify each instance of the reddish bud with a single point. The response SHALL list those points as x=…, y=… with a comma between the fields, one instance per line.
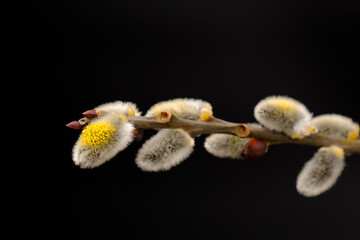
x=255, y=148
x=90, y=113
x=138, y=135
x=74, y=125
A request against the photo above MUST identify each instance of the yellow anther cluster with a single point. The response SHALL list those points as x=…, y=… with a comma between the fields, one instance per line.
x=339, y=152
x=284, y=105
x=353, y=135
x=98, y=134
x=131, y=112
x=206, y=113
x=123, y=117
x=234, y=140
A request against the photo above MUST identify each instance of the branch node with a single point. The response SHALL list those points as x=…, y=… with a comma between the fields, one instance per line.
x=164, y=117
x=84, y=121
x=243, y=131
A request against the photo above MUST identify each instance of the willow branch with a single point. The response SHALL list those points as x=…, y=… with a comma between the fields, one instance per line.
x=215, y=125
x=197, y=128
x=194, y=128
x=316, y=139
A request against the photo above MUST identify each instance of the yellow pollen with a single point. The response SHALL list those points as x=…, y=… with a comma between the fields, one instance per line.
x=157, y=110
x=131, y=112
x=312, y=129
x=353, y=135
x=96, y=135
x=339, y=152
x=284, y=105
x=123, y=118
x=234, y=140
x=205, y=115
x=297, y=136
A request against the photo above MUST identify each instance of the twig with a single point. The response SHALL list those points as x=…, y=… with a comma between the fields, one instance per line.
x=215, y=125
x=316, y=139
x=194, y=128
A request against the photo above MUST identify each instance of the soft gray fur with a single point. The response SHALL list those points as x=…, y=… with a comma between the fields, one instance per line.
x=320, y=173
x=164, y=150
x=86, y=157
x=225, y=145
x=293, y=120
x=335, y=125
x=187, y=108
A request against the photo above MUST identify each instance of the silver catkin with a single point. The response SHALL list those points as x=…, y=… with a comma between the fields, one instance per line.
x=188, y=108
x=91, y=156
x=120, y=107
x=225, y=145
x=321, y=172
x=166, y=149
x=284, y=114
x=336, y=125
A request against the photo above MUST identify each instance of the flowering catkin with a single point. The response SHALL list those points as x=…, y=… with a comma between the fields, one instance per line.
x=101, y=140
x=336, y=125
x=284, y=114
x=225, y=145
x=188, y=108
x=321, y=172
x=119, y=107
x=164, y=150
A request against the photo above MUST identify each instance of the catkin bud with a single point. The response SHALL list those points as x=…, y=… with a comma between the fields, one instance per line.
x=321, y=172
x=336, y=125
x=101, y=140
x=284, y=114
x=164, y=150
x=231, y=146
x=74, y=125
x=225, y=145
x=188, y=108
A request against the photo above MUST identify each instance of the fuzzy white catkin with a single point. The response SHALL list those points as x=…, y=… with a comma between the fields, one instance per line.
x=188, y=108
x=284, y=114
x=321, y=172
x=225, y=145
x=164, y=150
x=336, y=125
x=119, y=107
x=88, y=156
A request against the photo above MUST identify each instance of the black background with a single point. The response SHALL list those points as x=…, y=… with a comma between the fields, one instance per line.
x=66, y=57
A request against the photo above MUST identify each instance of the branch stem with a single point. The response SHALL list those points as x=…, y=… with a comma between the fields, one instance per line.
x=316, y=139
x=215, y=125
x=194, y=128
